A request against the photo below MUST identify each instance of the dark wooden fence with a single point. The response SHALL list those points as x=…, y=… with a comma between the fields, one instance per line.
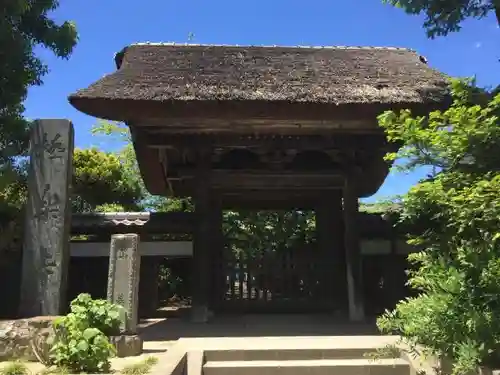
x=301, y=281
x=276, y=281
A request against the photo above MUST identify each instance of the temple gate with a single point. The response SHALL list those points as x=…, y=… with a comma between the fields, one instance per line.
x=265, y=128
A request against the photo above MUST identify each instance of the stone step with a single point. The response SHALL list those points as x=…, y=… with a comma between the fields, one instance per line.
x=285, y=354
x=309, y=367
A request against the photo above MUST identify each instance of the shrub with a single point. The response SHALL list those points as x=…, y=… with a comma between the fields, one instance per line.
x=100, y=314
x=82, y=351
x=81, y=343
x=453, y=216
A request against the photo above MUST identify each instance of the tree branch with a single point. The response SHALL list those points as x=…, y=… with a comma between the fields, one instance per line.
x=496, y=5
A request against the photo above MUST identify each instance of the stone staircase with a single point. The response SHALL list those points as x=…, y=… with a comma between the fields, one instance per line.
x=338, y=355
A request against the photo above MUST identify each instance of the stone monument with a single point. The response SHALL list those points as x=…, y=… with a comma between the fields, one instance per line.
x=123, y=289
x=47, y=219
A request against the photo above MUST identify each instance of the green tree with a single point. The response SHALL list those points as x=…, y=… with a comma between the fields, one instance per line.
x=12, y=198
x=445, y=16
x=120, y=132
x=126, y=154
x=102, y=182
x=453, y=216
x=24, y=24
x=251, y=233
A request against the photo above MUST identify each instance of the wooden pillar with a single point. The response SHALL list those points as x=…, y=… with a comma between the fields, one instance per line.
x=202, y=239
x=148, y=286
x=330, y=234
x=47, y=219
x=353, y=251
x=217, y=251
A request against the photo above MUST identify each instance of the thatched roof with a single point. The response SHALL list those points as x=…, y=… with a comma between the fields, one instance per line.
x=168, y=73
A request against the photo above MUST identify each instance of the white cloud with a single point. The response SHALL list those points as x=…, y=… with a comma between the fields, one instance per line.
x=478, y=45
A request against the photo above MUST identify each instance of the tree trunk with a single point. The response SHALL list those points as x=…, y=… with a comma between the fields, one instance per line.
x=497, y=10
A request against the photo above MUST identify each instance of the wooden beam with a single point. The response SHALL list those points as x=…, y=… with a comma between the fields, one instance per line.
x=184, y=249
x=230, y=115
x=271, y=181
x=133, y=222
x=283, y=199
x=265, y=125
x=146, y=248
x=240, y=203
x=371, y=225
x=239, y=181
x=341, y=140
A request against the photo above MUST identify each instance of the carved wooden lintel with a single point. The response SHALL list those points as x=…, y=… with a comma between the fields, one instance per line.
x=343, y=141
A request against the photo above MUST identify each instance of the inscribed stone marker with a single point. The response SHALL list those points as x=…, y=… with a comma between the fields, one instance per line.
x=123, y=277
x=47, y=221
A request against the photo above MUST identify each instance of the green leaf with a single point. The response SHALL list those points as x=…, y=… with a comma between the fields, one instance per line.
x=91, y=333
x=82, y=345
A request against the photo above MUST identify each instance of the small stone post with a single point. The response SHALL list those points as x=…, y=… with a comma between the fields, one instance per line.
x=123, y=289
x=47, y=220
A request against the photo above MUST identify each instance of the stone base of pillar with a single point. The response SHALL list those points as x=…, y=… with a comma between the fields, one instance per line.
x=356, y=306
x=127, y=345
x=356, y=314
x=201, y=314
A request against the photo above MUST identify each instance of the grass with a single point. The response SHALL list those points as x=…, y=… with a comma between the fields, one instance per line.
x=54, y=371
x=387, y=351
x=21, y=368
x=15, y=368
x=141, y=368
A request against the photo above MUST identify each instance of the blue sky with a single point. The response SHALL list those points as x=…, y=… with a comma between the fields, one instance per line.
x=106, y=26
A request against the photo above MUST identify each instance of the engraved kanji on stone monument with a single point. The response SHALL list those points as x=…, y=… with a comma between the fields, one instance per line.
x=48, y=264
x=48, y=204
x=50, y=144
x=123, y=278
x=47, y=222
